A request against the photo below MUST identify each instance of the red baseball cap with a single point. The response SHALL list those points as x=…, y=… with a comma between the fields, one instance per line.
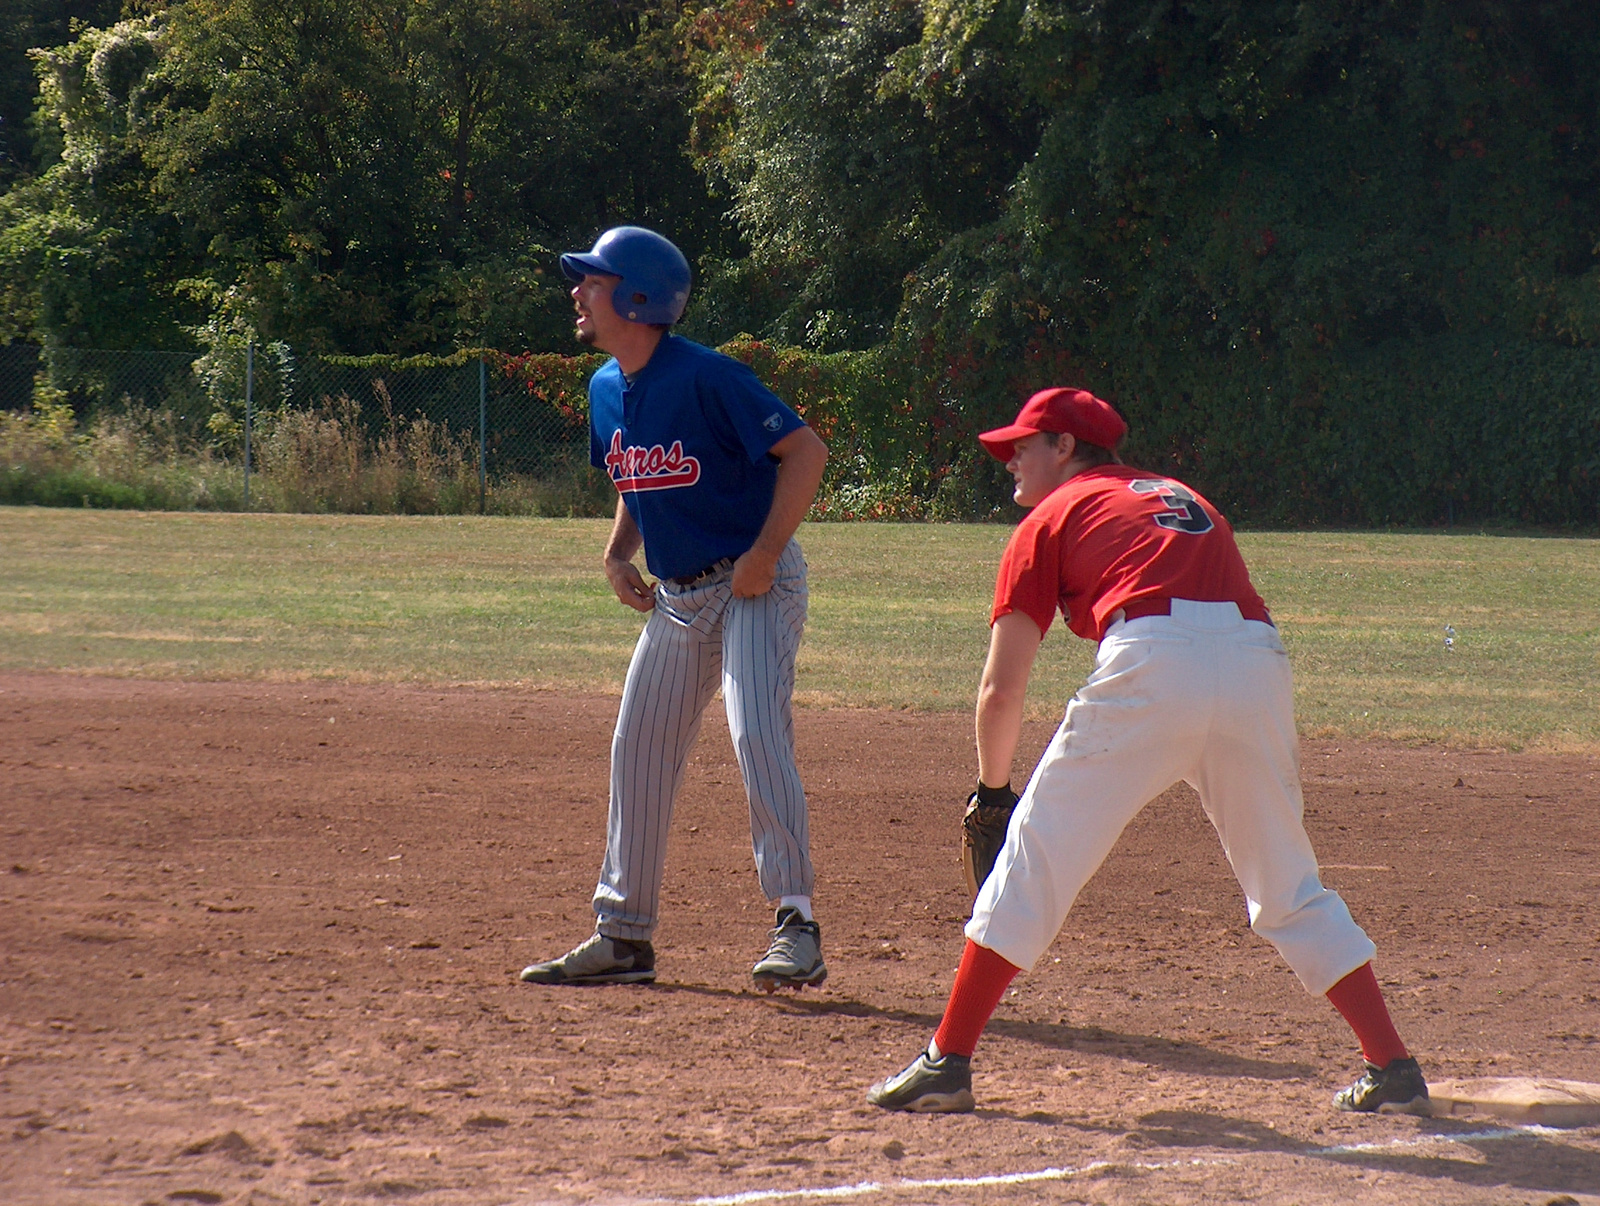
x=1074, y=412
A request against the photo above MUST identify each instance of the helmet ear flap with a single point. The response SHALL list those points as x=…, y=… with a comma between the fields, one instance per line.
x=627, y=301
x=655, y=276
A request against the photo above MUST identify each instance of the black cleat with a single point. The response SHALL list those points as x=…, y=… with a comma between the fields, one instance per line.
x=600, y=960
x=928, y=1086
x=1397, y=1088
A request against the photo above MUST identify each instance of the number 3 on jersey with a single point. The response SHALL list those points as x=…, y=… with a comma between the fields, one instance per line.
x=1184, y=512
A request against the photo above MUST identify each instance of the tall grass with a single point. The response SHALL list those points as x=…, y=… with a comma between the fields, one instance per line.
x=325, y=460
x=131, y=459
x=330, y=459
x=335, y=460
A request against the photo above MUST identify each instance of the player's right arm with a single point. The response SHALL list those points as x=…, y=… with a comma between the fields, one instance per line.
x=622, y=573
x=1013, y=643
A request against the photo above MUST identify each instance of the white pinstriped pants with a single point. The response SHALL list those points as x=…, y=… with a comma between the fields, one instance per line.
x=1204, y=696
x=697, y=638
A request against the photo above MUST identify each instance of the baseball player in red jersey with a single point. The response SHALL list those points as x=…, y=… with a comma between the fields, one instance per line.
x=1190, y=682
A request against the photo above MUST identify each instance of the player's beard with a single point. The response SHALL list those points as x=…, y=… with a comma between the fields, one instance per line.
x=585, y=337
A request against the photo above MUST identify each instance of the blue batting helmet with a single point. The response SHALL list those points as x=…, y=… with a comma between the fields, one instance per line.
x=655, y=276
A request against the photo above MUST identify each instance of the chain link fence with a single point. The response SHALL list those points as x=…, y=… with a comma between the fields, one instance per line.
x=286, y=425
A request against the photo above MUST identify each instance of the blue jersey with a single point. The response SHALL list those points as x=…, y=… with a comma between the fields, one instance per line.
x=686, y=444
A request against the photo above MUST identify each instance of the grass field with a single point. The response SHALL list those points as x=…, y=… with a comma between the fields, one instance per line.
x=898, y=613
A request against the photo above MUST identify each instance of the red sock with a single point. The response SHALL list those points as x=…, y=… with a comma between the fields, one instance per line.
x=1359, y=999
x=980, y=983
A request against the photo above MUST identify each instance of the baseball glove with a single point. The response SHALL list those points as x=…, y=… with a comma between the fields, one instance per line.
x=983, y=832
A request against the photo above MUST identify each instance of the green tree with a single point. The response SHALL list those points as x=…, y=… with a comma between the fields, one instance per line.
x=844, y=178
x=27, y=25
x=1209, y=173
x=87, y=256
x=1223, y=215
x=390, y=175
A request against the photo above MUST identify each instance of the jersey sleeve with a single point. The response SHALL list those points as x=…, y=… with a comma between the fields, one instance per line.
x=757, y=416
x=602, y=388
x=1029, y=579
x=597, y=451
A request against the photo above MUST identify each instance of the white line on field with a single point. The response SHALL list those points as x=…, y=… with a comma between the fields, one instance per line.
x=865, y=1188
x=1431, y=1140
x=868, y=1187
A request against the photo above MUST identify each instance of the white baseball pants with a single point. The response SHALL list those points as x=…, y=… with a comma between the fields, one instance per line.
x=697, y=637
x=1205, y=696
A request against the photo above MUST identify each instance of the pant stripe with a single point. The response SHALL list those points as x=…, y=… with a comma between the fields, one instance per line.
x=691, y=642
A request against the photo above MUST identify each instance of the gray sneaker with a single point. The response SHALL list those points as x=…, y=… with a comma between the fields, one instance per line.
x=928, y=1086
x=600, y=960
x=794, y=954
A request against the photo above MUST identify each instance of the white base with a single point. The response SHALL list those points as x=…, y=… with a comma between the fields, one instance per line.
x=1530, y=1099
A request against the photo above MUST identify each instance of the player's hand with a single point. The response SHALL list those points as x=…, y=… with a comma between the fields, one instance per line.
x=753, y=573
x=630, y=585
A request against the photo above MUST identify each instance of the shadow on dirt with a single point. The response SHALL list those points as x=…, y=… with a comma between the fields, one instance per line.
x=1173, y=1055
x=1188, y=1128
x=1538, y=1161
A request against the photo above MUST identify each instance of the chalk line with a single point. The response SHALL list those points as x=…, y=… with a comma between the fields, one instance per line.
x=1431, y=1140
x=861, y=1189
x=867, y=1188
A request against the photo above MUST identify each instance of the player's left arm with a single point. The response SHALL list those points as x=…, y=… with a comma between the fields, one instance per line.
x=1013, y=644
x=621, y=572
x=801, y=457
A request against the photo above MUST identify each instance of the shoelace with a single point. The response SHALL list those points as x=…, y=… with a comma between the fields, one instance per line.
x=786, y=939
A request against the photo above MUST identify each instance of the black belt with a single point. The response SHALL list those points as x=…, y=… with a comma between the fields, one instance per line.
x=710, y=571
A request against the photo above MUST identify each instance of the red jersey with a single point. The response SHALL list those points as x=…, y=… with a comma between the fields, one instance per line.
x=1113, y=536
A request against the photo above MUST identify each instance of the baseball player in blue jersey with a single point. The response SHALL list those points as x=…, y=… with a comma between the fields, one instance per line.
x=713, y=474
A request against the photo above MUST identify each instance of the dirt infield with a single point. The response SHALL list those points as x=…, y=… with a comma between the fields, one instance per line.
x=261, y=940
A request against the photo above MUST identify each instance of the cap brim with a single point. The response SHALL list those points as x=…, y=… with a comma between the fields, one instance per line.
x=575, y=265
x=1002, y=441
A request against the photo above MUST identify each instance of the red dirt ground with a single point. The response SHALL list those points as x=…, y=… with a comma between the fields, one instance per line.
x=261, y=941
